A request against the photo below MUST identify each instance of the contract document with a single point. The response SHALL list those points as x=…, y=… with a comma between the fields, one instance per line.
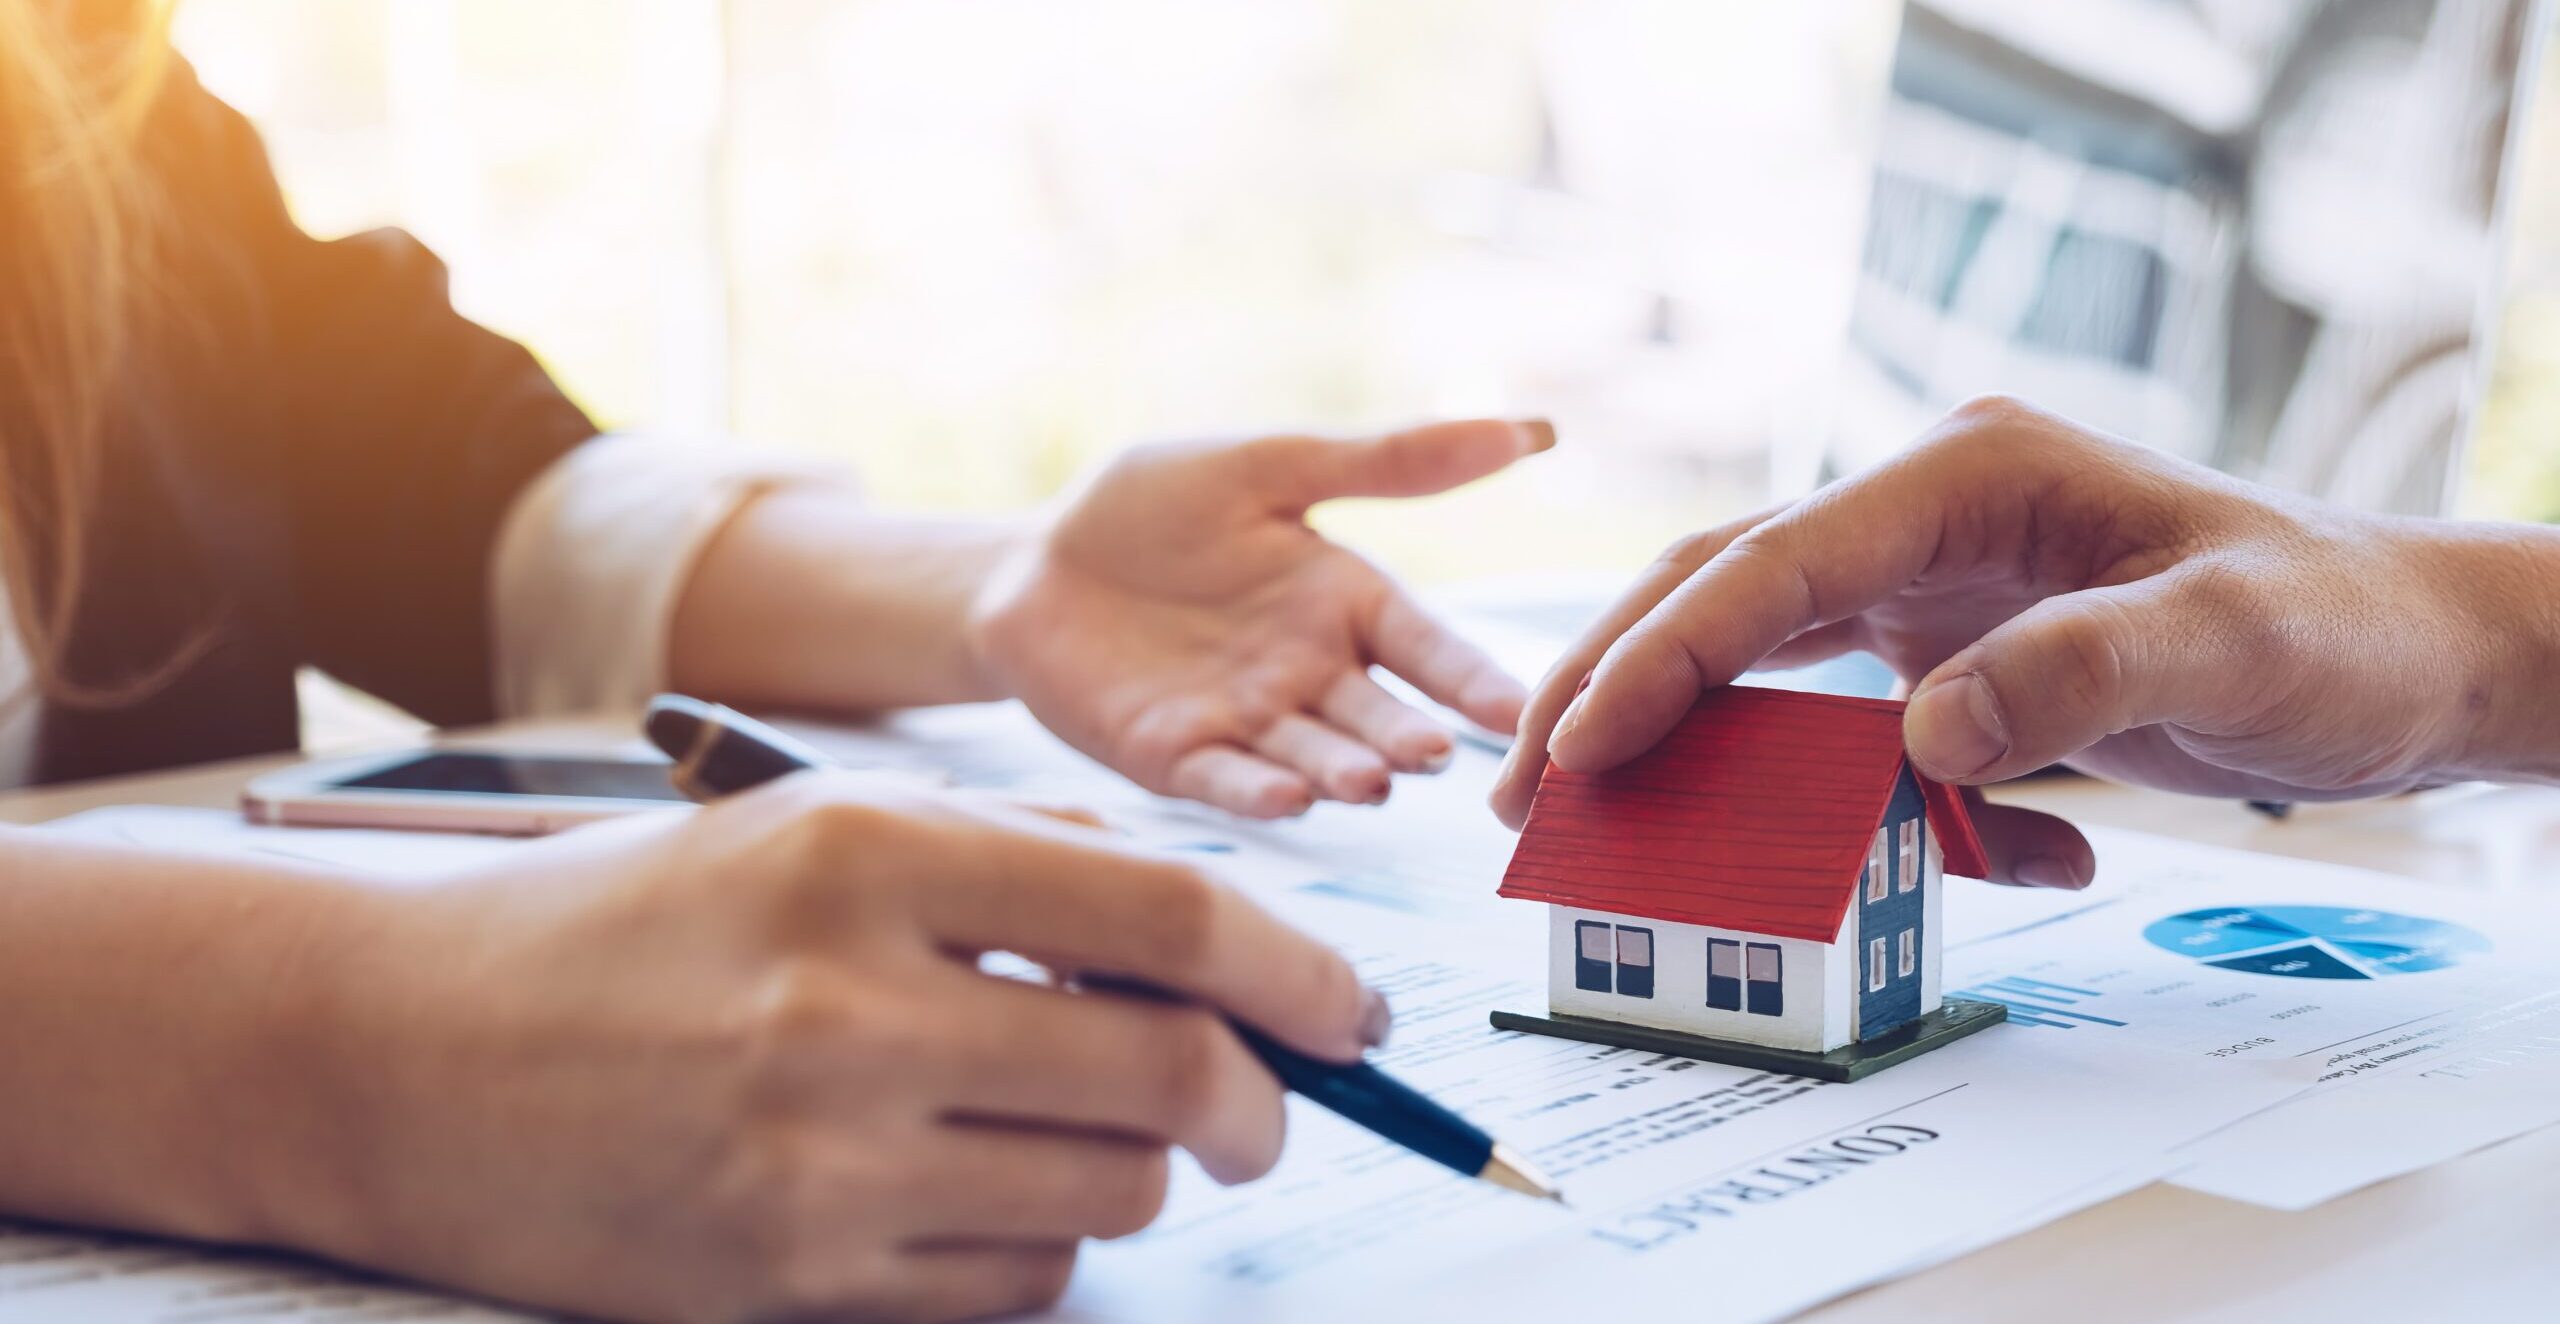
x=1781, y=1192
x=2261, y=1028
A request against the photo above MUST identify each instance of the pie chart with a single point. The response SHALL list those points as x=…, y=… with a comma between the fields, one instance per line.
x=2316, y=942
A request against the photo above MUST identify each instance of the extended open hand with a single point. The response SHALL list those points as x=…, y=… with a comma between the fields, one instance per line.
x=1178, y=620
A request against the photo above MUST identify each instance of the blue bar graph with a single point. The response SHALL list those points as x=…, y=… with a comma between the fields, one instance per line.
x=2036, y=1002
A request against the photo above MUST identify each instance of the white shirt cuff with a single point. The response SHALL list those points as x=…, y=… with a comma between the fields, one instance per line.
x=595, y=554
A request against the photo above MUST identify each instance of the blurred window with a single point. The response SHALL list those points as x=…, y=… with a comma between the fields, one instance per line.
x=970, y=246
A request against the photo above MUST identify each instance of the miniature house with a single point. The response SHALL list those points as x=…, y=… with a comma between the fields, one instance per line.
x=1766, y=878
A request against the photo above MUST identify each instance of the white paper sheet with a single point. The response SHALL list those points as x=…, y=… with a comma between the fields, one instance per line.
x=58, y=1276
x=2477, y=1063
x=1686, y=1173
x=1782, y=1192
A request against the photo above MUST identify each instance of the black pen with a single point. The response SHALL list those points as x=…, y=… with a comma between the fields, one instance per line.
x=720, y=752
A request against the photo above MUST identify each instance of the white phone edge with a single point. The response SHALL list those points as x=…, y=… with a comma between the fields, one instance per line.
x=308, y=795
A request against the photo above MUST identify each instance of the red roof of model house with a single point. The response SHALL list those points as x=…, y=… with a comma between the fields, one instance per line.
x=1755, y=813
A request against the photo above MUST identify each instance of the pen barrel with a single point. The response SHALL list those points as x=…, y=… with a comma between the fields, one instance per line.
x=732, y=762
x=718, y=751
x=1367, y=1097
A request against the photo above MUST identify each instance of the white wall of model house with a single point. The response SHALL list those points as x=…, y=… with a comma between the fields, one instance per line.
x=1817, y=1001
x=1818, y=982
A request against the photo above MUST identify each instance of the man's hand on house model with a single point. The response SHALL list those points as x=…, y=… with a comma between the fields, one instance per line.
x=2050, y=595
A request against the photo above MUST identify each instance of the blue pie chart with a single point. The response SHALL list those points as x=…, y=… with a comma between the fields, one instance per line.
x=2316, y=942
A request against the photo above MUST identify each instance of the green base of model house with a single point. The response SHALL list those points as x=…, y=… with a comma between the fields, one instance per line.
x=1953, y=1020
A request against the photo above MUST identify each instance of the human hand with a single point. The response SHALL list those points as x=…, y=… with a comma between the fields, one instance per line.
x=2059, y=595
x=741, y=1064
x=1179, y=621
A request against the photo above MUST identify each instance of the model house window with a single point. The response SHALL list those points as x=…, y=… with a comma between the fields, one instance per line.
x=1767, y=994
x=1910, y=872
x=1875, y=964
x=1910, y=954
x=1635, y=962
x=1724, y=974
x=1591, y=956
x=1876, y=862
x=1612, y=958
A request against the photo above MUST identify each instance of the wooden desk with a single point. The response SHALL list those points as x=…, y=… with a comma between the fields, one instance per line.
x=2477, y=1238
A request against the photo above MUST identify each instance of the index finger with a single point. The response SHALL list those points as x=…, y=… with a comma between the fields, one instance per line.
x=1295, y=472
x=1517, y=782
x=1828, y=557
x=1070, y=899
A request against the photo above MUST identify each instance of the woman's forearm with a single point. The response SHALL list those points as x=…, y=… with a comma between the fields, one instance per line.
x=807, y=600
x=160, y=1026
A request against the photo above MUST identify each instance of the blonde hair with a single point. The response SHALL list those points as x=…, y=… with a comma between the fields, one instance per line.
x=77, y=221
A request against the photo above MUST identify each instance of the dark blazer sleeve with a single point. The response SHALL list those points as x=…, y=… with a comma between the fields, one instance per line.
x=398, y=433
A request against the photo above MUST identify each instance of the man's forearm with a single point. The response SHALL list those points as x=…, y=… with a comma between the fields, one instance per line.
x=807, y=600
x=2505, y=579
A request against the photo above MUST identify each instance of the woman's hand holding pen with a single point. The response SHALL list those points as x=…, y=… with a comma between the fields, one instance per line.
x=742, y=1064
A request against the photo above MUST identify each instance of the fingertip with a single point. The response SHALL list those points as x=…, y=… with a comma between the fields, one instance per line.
x=1954, y=728
x=1425, y=750
x=1596, y=734
x=1510, y=802
x=1254, y=1142
x=1506, y=800
x=2049, y=871
x=1377, y=1019
x=1287, y=800
x=1570, y=720
x=1272, y=797
x=2030, y=848
x=1537, y=434
x=1364, y=785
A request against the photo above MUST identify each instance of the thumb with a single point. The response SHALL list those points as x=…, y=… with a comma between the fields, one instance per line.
x=2059, y=677
x=2029, y=848
x=1297, y=472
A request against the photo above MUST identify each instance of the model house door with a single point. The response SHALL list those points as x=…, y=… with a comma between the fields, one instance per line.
x=1889, y=917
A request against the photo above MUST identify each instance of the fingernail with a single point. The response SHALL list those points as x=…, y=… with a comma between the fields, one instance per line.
x=2048, y=871
x=1440, y=759
x=1541, y=433
x=1571, y=719
x=1375, y=1020
x=1954, y=727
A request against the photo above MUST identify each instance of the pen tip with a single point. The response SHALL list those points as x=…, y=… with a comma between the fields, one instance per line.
x=1512, y=1172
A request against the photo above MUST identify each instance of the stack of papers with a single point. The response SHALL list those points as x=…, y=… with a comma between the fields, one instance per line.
x=2258, y=1028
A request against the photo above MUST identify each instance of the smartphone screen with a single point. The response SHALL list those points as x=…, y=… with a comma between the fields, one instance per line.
x=463, y=773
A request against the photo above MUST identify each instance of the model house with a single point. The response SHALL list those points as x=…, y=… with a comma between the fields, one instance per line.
x=1762, y=887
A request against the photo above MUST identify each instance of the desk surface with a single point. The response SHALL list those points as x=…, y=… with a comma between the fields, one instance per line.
x=2477, y=1234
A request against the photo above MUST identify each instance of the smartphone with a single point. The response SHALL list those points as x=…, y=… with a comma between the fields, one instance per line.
x=441, y=790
